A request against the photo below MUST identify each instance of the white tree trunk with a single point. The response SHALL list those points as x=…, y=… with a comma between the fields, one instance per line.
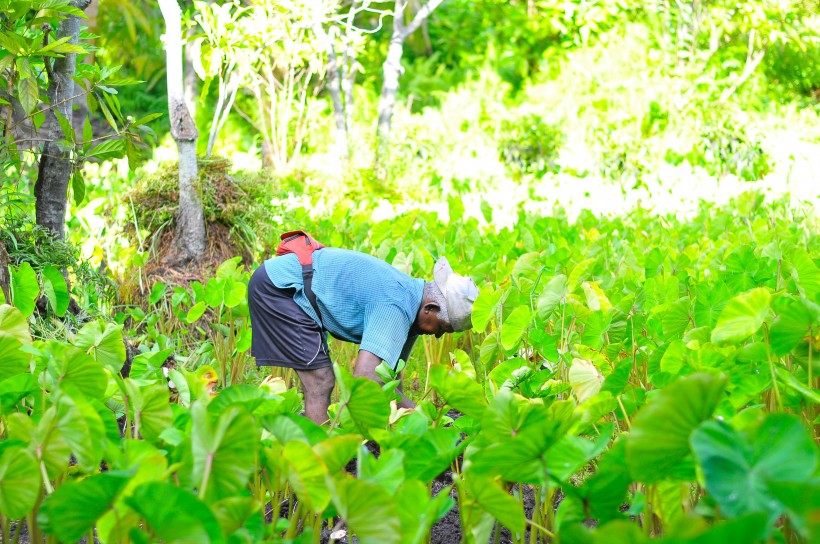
x=392, y=70
x=190, y=230
x=335, y=90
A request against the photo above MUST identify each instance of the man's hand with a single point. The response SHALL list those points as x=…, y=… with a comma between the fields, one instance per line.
x=366, y=364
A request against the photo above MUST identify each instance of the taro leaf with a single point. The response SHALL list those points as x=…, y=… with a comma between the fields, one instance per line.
x=248, y=396
x=19, y=482
x=337, y=451
x=462, y=363
x=492, y=498
x=370, y=512
x=306, y=474
x=742, y=316
x=157, y=292
x=386, y=471
x=71, y=367
x=56, y=290
x=659, y=438
x=750, y=528
x=196, y=311
x=709, y=302
x=13, y=324
x=460, y=392
x=44, y=439
x=552, y=295
x=793, y=325
x=429, y=455
x=418, y=512
x=363, y=403
x=215, y=292
x=13, y=360
x=233, y=513
x=105, y=345
x=604, y=492
x=82, y=428
x=287, y=427
x=223, y=454
x=148, y=363
x=585, y=379
x=673, y=358
x=484, y=308
x=802, y=501
x=579, y=272
x=24, y=288
x=516, y=433
x=738, y=468
x=805, y=274
x=149, y=409
x=15, y=388
x=235, y=292
x=595, y=297
x=571, y=453
x=229, y=269
x=503, y=372
x=676, y=319
x=188, y=521
x=486, y=211
x=74, y=508
x=618, y=379
x=489, y=351
x=514, y=327
x=791, y=382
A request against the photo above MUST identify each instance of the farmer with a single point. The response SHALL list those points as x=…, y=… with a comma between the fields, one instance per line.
x=360, y=299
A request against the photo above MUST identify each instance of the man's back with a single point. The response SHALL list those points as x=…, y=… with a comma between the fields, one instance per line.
x=362, y=299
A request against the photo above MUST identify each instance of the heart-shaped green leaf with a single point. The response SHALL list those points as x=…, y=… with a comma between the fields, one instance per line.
x=742, y=317
x=659, y=438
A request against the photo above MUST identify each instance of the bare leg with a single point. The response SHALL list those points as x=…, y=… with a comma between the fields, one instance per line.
x=317, y=385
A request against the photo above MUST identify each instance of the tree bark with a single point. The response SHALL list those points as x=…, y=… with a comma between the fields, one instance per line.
x=392, y=70
x=191, y=79
x=189, y=237
x=51, y=187
x=5, y=279
x=335, y=90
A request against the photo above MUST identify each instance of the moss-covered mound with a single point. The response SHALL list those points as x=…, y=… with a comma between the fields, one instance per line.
x=233, y=204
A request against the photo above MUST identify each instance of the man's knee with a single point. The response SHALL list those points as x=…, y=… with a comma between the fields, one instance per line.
x=317, y=382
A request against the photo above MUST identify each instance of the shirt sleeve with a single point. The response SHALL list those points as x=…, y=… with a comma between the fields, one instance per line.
x=385, y=333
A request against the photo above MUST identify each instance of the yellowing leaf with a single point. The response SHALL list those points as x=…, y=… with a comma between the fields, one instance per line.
x=585, y=379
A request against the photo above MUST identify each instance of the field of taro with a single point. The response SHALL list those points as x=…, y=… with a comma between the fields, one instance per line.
x=626, y=379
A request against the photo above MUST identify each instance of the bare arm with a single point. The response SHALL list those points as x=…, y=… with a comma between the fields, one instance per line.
x=366, y=364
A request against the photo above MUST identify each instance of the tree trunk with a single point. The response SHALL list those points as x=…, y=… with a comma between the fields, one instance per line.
x=191, y=79
x=189, y=237
x=5, y=279
x=392, y=70
x=335, y=89
x=81, y=112
x=51, y=187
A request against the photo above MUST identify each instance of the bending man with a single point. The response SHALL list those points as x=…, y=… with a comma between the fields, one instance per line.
x=361, y=299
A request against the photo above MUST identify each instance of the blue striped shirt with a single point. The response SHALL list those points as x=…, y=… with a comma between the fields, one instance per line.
x=362, y=299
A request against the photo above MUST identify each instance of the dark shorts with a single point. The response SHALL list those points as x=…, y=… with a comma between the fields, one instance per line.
x=282, y=333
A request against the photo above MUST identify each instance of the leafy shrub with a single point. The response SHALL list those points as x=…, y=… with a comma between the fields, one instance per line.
x=530, y=145
x=727, y=149
x=623, y=159
x=795, y=69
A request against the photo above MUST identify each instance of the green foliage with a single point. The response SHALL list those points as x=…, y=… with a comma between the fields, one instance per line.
x=529, y=145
